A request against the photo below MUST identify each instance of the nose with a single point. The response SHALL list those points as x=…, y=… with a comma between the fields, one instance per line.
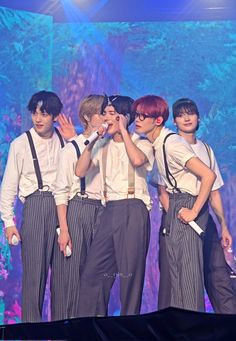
x=37, y=117
x=186, y=117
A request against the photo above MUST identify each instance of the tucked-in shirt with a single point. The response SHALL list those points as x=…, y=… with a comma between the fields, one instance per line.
x=20, y=178
x=67, y=183
x=178, y=152
x=206, y=155
x=116, y=174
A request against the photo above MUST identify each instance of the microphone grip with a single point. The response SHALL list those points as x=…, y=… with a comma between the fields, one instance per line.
x=197, y=228
x=95, y=135
x=91, y=138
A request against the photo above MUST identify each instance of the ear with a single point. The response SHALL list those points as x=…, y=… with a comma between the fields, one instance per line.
x=159, y=120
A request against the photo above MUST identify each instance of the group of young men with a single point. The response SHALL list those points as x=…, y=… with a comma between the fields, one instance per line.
x=95, y=190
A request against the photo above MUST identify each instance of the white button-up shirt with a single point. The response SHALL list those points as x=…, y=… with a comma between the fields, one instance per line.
x=20, y=178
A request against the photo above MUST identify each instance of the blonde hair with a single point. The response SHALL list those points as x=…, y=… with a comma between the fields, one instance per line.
x=88, y=107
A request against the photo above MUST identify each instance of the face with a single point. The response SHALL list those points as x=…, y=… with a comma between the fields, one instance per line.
x=144, y=124
x=187, y=122
x=43, y=123
x=110, y=116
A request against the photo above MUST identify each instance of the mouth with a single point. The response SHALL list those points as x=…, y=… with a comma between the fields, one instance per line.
x=39, y=126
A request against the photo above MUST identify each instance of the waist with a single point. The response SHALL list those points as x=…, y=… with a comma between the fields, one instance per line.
x=85, y=199
x=181, y=195
x=38, y=192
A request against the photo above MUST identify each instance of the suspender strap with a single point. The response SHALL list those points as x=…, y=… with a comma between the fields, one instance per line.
x=169, y=176
x=209, y=153
x=35, y=160
x=82, y=180
x=131, y=179
x=131, y=176
x=104, y=168
x=60, y=137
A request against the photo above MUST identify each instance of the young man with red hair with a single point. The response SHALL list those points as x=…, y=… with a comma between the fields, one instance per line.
x=188, y=182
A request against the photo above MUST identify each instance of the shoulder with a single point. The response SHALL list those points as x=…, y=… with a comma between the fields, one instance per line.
x=20, y=141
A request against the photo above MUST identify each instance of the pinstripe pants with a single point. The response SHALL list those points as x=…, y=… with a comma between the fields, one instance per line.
x=184, y=250
x=119, y=249
x=216, y=272
x=37, y=235
x=82, y=217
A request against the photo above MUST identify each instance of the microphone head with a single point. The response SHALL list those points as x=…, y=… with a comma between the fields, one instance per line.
x=105, y=125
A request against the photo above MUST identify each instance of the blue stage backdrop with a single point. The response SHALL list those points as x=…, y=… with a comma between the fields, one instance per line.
x=171, y=59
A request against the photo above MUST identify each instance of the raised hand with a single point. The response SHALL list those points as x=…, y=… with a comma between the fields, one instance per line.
x=66, y=126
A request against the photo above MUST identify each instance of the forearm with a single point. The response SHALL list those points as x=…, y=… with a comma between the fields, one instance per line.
x=62, y=212
x=136, y=156
x=163, y=197
x=217, y=207
x=207, y=181
x=84, y=162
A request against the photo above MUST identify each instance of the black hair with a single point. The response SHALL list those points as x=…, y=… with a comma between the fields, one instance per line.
x=122, y=105
x=184, y=105
x=49, y=102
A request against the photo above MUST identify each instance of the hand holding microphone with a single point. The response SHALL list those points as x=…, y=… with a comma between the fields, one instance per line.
x=96, y=134
x=14, y=240
x=68, y=249
x=191, y=223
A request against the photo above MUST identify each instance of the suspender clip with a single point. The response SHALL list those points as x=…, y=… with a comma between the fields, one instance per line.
x=131, y=192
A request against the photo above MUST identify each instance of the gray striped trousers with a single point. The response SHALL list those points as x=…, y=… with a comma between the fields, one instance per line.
x=184, y=249
x=37, y=235
x=82, y=218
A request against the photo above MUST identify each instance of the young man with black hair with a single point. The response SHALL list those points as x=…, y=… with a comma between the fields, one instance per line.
x=188, y=182
x=121, y=242
x=216, y=271
x=30, y=174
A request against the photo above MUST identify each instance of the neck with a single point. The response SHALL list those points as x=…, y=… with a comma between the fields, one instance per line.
x=154, y=133
x=87, y=132
x=46, y=135
x=189, y=137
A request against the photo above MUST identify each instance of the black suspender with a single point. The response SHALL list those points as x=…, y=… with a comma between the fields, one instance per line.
x=82, y=180
x=60, y=137
x=35, y=159
x=168, y=173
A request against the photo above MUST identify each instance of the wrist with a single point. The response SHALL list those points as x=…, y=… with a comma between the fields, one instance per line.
x=195, y=210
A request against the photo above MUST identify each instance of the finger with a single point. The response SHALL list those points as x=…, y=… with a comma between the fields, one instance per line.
x=70, y=120
x=65, y=118
x=70, y=244
x=62, y=119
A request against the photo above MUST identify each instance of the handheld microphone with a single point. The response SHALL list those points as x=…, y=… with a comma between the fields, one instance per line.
x=68, y=249
x=14, y=240
x=197, y=228
x=95, y=134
